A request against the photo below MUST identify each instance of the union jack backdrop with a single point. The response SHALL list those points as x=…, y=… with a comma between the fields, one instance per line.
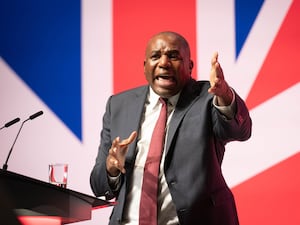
x=66, y=57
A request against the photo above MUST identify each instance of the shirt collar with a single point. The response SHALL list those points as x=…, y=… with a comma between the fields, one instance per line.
x=154, y=99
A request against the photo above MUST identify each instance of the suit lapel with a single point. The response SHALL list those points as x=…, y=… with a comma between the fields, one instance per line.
x=135, y=110
x=185, y=101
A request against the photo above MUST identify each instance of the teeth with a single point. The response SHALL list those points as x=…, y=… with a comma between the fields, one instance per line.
x=164, y=77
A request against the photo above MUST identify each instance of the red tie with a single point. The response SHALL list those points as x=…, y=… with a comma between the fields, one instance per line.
x=148, y=204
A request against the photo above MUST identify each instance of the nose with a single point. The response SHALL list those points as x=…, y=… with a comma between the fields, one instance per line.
x=164, y=61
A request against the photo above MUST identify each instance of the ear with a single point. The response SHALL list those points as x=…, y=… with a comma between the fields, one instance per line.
x=191, y=66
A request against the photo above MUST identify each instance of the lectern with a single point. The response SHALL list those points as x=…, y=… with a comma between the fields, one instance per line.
x=22, y=196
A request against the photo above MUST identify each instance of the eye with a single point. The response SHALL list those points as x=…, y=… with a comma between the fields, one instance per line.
x=174, y=55
x=155, y=56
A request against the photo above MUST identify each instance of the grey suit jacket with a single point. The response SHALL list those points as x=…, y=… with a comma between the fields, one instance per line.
x=195, y=147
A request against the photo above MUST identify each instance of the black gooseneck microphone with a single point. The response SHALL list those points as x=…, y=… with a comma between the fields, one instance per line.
x=12, y=122
x=33, y=116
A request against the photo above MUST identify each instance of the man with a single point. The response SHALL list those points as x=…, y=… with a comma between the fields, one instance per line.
x=202, y=117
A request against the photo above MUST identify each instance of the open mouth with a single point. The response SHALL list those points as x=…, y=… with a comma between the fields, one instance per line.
x=165, y=81
x=165, y=77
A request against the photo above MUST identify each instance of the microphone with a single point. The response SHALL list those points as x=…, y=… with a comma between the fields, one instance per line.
x=12, y=122
x=33, y=116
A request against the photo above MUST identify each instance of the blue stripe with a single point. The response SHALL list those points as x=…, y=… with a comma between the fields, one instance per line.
x=40, y=40
x=245, y=15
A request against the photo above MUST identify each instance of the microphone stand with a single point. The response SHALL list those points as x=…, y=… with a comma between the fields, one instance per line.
x=30, y=118
x=5, y=164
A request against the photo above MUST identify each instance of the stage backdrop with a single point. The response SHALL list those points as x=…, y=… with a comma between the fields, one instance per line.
x=66, y=57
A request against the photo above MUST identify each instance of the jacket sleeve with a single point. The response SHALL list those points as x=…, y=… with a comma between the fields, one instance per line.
x=236, y=129
x=99, y=178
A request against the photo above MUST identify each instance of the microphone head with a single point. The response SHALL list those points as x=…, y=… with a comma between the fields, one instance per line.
x=33, y=116
x=12, y=122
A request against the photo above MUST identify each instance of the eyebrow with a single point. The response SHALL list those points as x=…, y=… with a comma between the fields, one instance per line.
x=166, y=52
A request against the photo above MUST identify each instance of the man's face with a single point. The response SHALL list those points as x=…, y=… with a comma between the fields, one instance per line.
x=167, y=64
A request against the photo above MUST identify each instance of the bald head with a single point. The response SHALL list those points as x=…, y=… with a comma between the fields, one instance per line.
x=173, y=35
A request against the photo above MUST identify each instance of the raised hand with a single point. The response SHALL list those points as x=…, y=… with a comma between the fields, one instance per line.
x=115, y=160
x=218, y=85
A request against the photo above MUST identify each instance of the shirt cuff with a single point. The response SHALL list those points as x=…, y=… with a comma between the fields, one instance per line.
x=227, y=111
x=114, y=182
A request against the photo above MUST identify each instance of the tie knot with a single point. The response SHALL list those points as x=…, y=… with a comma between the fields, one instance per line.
x=163, y=101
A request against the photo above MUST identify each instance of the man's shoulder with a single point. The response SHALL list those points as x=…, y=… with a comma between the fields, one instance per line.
x=132, y=91
x=197, y=86
x=202, y=83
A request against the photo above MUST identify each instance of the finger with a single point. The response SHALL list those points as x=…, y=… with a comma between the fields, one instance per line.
x=112, y=157
x=212, y=90
x=214, y=68
x=219, y=71
x=214, y=59
x=215, y=84
x=114, y=146
x=213, y=77
x=114, y=167
x=132, y=137
x=116, y=157
x=115, y=142
x=118, y=165
x=128, y=140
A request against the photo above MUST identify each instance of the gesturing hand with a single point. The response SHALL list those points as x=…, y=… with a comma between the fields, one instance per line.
x=115, y=160
x=218, y=85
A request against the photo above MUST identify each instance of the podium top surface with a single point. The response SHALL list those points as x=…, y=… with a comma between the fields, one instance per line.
x=6, y=176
